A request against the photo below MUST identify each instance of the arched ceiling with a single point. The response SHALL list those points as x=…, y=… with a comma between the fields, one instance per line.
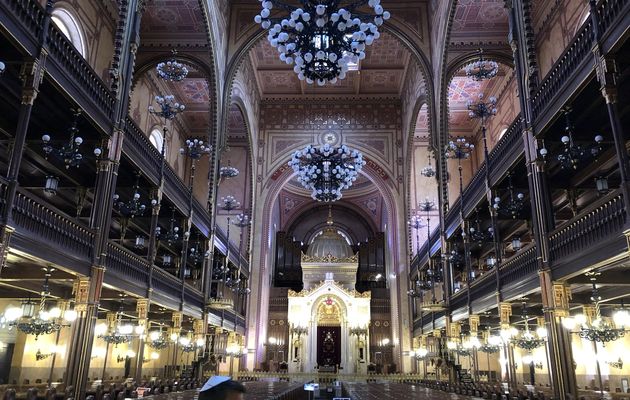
x=479, y=21
x=382, y=72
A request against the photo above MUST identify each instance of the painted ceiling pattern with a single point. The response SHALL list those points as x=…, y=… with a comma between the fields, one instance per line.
x=381, y=72
x=174, y=16
x=475, y=16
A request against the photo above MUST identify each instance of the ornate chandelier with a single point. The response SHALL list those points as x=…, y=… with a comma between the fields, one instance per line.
x=326, y=170
x=321, y=38
x=482, y=109
x=428, y=171
x=42, y=321
x=596, y=328
x=168, y=107
x=482, y=69
x=172, y=70
x=189, y=346
x=172, y=235
x=228, y=172
x=478, y=235
x=158, y=340
x=195, y=149
x=514, y=206
x=574, y=154
x=69, y=152
x=133, y=207
x=526, y=339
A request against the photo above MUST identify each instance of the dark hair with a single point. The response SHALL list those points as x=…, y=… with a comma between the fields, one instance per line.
x=220, y=392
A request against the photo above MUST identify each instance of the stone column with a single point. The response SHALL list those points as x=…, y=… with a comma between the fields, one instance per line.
x=473, y=322
x=555, y=299
x=505, y=312
x=175, y=331
x=142, y=310
x=87, y=292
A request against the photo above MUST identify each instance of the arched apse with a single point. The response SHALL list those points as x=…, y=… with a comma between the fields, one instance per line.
x=401, y=34
x=264, y=251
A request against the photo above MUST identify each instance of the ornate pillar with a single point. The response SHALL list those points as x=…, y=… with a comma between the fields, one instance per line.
x=473, y=322
x=176, y=330
x=87, y=292
x=555, y=299
x=142, y=310
x=505, y=312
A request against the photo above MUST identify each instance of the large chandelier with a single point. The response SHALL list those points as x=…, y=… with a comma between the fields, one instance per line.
x=573, y=154
x=526, y=339
x=321, y=37
x=158, y=340
x=596, y=328
x=327, y=170
x=513, y=207
x=133, y=207
x=172, y=70
x=482, y=69
x=69, y=153
x=42, y=321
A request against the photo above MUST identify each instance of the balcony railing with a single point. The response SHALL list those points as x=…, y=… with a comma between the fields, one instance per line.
x=141, y=152
x=28, y=15
x=503, y=155
x=51, y=226
x=76, y=76
x=602, y=220
x=520, y=266
x=563, y=71
x=126, y=265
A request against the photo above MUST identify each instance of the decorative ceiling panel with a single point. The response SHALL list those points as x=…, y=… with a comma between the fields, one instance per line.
x=278, y=82
x=381, y=81
x=178, y=16
x=477, y=19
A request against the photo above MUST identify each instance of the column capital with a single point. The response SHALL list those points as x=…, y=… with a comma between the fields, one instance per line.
x=561, y=296
x=473, y=321
x=177, y=319
x=142, y=308
x=505, y=312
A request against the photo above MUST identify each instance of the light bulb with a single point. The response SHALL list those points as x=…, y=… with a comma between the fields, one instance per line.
x=154, y=335
x=70, y=315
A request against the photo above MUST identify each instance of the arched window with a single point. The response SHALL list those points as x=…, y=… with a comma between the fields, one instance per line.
x=157, y=139
x=69, y=26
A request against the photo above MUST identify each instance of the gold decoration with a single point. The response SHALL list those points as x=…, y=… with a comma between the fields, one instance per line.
x=351, y=293
x=177, y=319
x=505, y=312
x=329, y=259
x=473, y=321
x=81, y=291
x=142, y=308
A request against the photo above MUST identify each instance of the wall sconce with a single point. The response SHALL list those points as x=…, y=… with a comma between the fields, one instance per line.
x=615, y=364
x=41, y=356
x=491, y=262
x=602, y=184
x=52, y=183
x=3, y=68
x=516, y=243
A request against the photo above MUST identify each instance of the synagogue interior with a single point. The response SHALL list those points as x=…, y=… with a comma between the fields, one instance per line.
x=392, y=199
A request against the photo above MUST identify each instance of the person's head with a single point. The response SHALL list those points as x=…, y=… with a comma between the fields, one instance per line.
x=222, y=388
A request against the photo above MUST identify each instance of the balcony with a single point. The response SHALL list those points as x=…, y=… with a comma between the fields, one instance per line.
x=503, y=156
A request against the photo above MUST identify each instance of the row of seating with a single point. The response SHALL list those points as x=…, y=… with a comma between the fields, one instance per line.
x=264, y=390
x=484, y=390
x=114, y=391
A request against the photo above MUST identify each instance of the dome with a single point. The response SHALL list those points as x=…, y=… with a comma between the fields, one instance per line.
x=330, y=244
